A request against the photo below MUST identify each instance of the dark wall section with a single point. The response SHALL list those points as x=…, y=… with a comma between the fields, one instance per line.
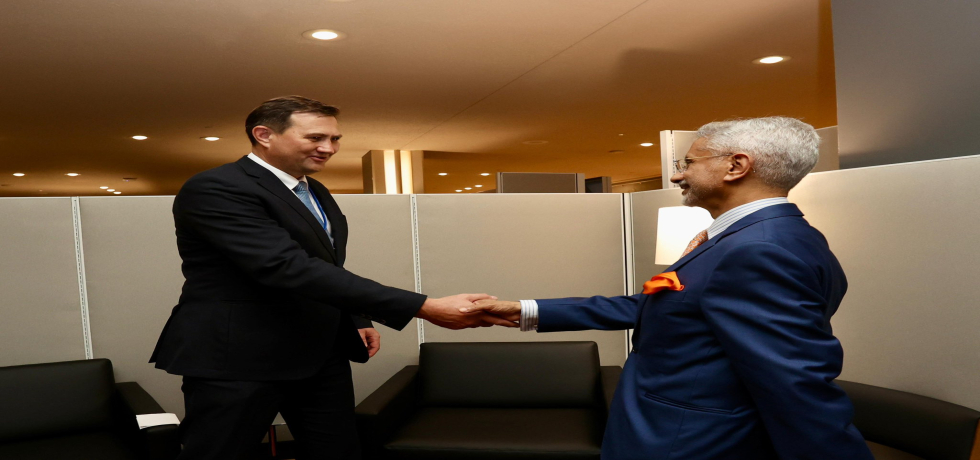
x=908, y=80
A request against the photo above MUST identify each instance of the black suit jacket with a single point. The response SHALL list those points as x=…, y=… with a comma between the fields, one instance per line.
x=265, y=295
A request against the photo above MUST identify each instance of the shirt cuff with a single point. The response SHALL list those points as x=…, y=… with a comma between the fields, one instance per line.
x=529, y=315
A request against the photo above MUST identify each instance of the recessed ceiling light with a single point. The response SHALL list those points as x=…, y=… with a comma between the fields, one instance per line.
x=646, y=144
x=111, y=190
x=19, y=174
x=484, y=174
x=140, y=138
x=72, y=174
x=323, y=34
x=458, y=191
x=622, y=134
x=103, y=187
x=478, y=186
x=443, y=174
x=771, y=59
x=211, y=138
x=468, y=188
x=116, y=193
x=535, y=142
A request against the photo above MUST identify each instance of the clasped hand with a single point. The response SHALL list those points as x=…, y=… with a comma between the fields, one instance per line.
x=470, y=310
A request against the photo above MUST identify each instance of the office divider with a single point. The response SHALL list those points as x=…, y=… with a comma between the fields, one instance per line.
x=133, y=277
x=39, y=294
x=380, y=247
x=904, y=234
x=524, y=247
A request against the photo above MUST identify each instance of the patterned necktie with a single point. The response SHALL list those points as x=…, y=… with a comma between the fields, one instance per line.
x=304, y=195
x=698, y=240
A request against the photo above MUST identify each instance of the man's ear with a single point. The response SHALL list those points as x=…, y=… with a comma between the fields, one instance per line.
x=262, y=135
x=740, y=165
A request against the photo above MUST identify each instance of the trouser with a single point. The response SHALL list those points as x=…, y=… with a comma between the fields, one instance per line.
x=226, y=419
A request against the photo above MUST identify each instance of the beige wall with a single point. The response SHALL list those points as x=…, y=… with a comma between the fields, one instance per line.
x=42, y=316
x=524, y=246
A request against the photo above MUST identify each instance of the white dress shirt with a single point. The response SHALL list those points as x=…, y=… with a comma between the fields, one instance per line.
x=291, y=182
x=529, y=308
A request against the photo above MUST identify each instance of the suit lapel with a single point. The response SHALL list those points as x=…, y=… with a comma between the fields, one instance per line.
x=338, y=223
x=270, y=182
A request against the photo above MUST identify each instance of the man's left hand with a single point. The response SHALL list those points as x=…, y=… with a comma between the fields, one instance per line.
x=372, y=340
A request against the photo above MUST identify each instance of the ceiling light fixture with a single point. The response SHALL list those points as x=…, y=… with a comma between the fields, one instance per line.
x=478, y=186
x=103, y=187
x=71, y=174
x=457, y=191
x=19, y=174
x=468, y=188
x=323, y=34
x=443, y=174
x=116, y=193
x=140, y=138
x=771, y=60
x=484, y=174
x=111, y=190
x=646, y=144
x=211, y=138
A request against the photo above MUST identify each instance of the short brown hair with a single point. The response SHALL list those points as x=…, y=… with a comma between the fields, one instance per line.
x=274, y=113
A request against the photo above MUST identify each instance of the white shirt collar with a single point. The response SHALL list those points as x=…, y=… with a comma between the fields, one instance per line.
x=737, y=213
x=288, y=180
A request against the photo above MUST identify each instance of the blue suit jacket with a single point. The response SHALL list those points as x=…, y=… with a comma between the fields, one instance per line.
x=738, y=365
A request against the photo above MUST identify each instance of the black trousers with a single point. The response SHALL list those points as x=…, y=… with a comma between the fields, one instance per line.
x=226, y=419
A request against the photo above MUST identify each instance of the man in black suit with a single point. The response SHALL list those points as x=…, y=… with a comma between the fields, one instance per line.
x=268, y=318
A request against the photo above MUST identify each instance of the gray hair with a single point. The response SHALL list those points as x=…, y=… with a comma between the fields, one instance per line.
x=784, y=149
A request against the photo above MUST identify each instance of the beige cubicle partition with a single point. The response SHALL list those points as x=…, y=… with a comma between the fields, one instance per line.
x=518, y=246
x=39, y=295
x=906, y=235
x=380, y=247
x=133, y=278
x=644, y=212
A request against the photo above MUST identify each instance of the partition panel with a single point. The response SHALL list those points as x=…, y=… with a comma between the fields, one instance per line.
x=906, y=237
x=645, y=210
x=523, y=246
x=380, y=247
x=39, y=297
x=134, y=280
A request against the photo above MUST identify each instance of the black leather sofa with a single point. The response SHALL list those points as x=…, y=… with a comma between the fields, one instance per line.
x=75, y=410
x=486, y=401
x=906, y=426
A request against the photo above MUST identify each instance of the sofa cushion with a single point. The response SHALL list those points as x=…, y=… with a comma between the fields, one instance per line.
x=511, y=434
x=87, y=446
x=536, y=374
x=923, y=426
x=56, y=398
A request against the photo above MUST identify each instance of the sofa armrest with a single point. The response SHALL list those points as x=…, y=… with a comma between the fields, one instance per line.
x=610, y=378
x=159, y=442
x=382, y=412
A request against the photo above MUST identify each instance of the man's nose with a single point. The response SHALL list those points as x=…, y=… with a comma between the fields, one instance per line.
x=677, y=177
x=328, y=148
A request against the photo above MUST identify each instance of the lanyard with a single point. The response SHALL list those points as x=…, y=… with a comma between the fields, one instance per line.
x=322, y=212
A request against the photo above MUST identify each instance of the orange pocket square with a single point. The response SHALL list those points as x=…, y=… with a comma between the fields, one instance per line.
x=666, y=280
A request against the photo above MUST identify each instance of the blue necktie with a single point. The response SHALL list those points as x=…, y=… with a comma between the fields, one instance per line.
x=304, y=195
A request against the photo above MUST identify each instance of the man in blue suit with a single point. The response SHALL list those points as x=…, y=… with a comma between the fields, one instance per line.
x=733, y=353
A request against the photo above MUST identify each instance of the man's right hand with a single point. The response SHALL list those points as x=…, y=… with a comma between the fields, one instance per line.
x=448, y=312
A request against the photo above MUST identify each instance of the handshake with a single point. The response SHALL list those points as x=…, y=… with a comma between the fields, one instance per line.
x=470, y=310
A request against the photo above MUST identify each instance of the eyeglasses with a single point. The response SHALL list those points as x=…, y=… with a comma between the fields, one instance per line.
x=683, y=163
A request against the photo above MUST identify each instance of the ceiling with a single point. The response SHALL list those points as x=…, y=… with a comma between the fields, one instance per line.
x=470, y=82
